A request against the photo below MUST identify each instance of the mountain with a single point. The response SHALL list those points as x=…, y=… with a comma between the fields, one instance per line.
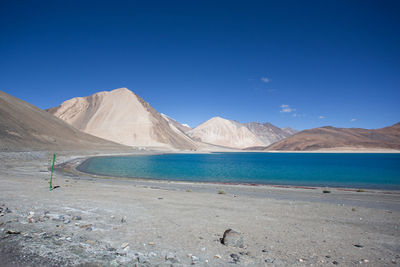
x=123, y=117
x=25, y=127
x=182, y=127
x=223, y=132
x=289, y=130
x=268, y=133
x=341, y=138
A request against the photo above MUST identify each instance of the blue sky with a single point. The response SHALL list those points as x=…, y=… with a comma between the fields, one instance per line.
x=301, y=64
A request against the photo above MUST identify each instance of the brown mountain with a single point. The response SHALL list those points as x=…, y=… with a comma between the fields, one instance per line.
x=25, y=127
x=343, y=138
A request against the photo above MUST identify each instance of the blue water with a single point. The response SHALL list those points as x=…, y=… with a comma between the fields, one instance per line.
x=305, y=169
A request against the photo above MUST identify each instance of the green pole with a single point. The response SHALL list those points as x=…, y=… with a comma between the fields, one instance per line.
x=52, y=168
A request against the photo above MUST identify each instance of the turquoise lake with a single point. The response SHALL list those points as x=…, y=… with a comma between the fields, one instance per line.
x=355, y=170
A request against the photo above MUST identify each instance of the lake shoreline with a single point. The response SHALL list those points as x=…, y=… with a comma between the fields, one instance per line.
x=78, y=166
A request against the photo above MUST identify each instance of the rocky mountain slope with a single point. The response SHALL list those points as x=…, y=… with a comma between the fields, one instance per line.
x=223, y=132
x=182, y=127
x=123, y=117
x=348, y=138
x=25, y=127
x=268, y=133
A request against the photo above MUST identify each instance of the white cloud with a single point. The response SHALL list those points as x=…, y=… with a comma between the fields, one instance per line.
x=264, y=79
x=321, y=117
x=286, y=109
x=353, y=119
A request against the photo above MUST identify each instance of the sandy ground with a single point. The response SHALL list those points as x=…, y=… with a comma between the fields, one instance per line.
x=90, y=221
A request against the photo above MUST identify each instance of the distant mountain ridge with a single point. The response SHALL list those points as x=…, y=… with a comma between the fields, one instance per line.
x=351, y=138
x=229, y=133
x=268, y=133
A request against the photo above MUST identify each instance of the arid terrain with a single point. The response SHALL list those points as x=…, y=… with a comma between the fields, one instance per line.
x=92, y=221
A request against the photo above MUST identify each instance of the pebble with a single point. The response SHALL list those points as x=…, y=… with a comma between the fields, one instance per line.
x=335, y=262
x=67, y=221
x=76, y=218
x=235, y=257
x=195, y=259
x=123, y=220
x=170, y=256
x=124, y=245
x=217, y=256
x=13, y=232
x=264, y=250
x=358, y=246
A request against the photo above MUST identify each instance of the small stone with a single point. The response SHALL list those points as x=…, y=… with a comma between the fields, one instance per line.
x=170, y=256
x=76, y=218
x=123, y=220
x=124, y=245
x=269, y=260
x=13, y=232
x=151, y=243
x=264, y=250
x=203, y=249
x=142, y=259
x=358, y=246
x=68, y=238
x=112, y=217
x=217, y=256
x=301, y=260
x=365, y=260
x=235, y=257
x=232, y=238
x=67, y=221
x=335, y=262
x=91, y=242
x=195, y=259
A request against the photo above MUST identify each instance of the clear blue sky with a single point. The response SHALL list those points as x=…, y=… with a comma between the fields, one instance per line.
x=293, y=63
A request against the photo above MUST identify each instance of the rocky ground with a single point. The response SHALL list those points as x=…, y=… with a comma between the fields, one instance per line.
x=89, y=221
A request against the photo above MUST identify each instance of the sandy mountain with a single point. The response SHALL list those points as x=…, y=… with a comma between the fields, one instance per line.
x=25, y=127
x=267, y=132
x=223, y=132
x=347, y=138
x=123, y=117
x=182, y=127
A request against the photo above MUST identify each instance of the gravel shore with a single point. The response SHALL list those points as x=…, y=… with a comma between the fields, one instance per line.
x=92, y=221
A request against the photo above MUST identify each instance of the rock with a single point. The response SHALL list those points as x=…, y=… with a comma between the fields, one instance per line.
x=58, y=217
x=151, y=243
x=335, y=262
x=264, y=250
x=358, y=246
x=142, y=259
x=124, y=245
x=76, y=218
x=13, y=232
x=269, y=260
x=67, y=221
x=123, y=220
x=217, y=256
x=232, y=238
x=169, y=256
x=235, y=257
x=86, y=226
x=121, y=252
x=195, y=260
